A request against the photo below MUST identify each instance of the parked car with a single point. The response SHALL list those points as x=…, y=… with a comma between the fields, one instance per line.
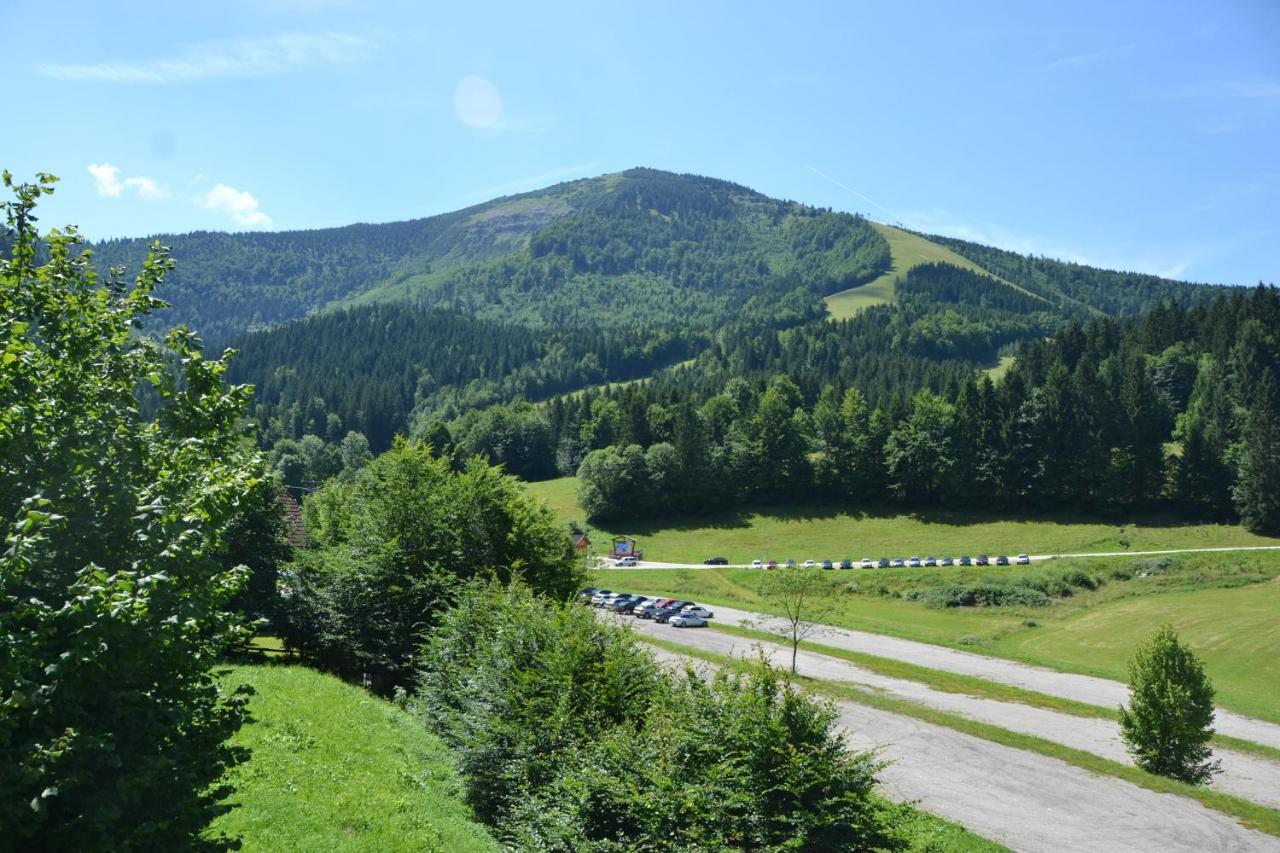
x=670, y=610
x=966, y=560
x=772, y=564
x=897, y=563
x=757, y=564
x=649, y=609
x=698, y=610
x=1002, y=560
x=809, y=564
x=982, y=560
x=687, y=620
x=789, y=564
x=598, y=597
x=609, y=600
x=914, y=562
x=866, y=563
x=625, y=562
x=846, y=564
x=626, y=605
x=931, y=561
x=584, y=595
x=946, y=561
x=883, y=563
x=1023, y=559
x=716, y=561
x=827, y=564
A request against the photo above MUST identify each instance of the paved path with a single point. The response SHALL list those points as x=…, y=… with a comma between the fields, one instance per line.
x=1067, y=685
x=1027, y=801
x=1248, y=776
x=657, y=564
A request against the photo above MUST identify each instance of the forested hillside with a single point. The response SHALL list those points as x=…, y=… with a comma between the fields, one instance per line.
x=640, y=246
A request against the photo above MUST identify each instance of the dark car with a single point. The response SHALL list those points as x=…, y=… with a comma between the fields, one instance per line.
x=931, y=561
x=630, y=605
x=1002, y=560
x=982, y=560
x=882, y=563
x=664, y=615
x=827, y=564
x=585, y=594
x=716, y=561
x=846, y=564
x=966, y=560
x=946, y=561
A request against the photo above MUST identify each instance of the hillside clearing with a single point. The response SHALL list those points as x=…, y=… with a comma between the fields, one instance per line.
x=908, y=251
x=335, y=768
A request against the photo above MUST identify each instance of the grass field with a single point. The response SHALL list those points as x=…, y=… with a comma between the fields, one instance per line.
x=1226, y=606
x=907, y=251
x=1000, y=368
x=334, y=768
x=826, y=532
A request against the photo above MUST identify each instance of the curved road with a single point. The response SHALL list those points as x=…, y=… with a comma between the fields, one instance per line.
x=1027, y=801
x=1089, y=689
x=1248, y=776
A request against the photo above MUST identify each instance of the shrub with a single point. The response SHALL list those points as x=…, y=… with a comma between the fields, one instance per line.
x=571, y=738
x=1151, y=566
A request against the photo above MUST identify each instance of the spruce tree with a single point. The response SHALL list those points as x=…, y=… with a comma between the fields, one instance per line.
x=1257, y=488
x=1169, y=721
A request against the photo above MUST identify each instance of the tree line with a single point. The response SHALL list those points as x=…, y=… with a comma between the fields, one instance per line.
x=1178, y=409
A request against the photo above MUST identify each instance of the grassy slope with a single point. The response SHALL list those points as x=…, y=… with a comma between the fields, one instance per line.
x=334, y=768
x=1215, y=601
x=908, y=251
x=1000, y=368
x=824, y=532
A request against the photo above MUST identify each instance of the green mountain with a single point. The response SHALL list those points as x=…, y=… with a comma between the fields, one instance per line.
x=640, y=246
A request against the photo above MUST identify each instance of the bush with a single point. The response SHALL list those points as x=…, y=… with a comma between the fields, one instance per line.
x=1122, y=573
x=1151, y=566
x=571, y=738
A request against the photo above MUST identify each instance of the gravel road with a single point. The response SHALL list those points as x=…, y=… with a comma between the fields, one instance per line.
x=1081, y=688
x=1248, y=776
x=1027, y=801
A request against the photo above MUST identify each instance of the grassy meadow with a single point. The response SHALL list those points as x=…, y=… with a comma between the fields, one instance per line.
x=335, y=768
x=819, y=532
x=1226, y=606
x=907, y=251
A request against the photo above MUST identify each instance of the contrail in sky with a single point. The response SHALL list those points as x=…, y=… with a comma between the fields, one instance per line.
x=842, y=186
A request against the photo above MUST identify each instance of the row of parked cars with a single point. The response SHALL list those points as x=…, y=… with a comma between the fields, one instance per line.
x=886, y=563
x=671, y=611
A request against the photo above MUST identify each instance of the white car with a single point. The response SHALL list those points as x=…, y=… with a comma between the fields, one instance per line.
x=598, y=599
x=809, y=564
x=687, y=620
x=757, y=564
x=696, y=610
x=625, y=562
x=866, y=563
x=1023, y=559
x=914, y=562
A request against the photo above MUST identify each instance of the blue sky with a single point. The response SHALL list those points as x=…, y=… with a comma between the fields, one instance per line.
x=1132, y=135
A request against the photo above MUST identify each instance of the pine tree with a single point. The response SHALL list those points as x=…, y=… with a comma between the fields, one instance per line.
x=1169, y=721
x=1257, y=488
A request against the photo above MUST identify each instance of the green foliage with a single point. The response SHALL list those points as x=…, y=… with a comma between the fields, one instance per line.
x=395, y=543
x=572, y=739
x=115, y=585
x=1169, y=720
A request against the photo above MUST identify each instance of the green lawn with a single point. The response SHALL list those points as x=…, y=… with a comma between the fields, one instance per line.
x=819, y=532
x=1000, y=368
x=334, y=768
x=907, y=250
x=1226, y=606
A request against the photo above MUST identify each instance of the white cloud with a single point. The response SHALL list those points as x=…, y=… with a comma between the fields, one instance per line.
x=1092, y=57
x=477, y=102
x=1245, y=89
x=241, y=206
x=236, y=58
x=106, y=180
